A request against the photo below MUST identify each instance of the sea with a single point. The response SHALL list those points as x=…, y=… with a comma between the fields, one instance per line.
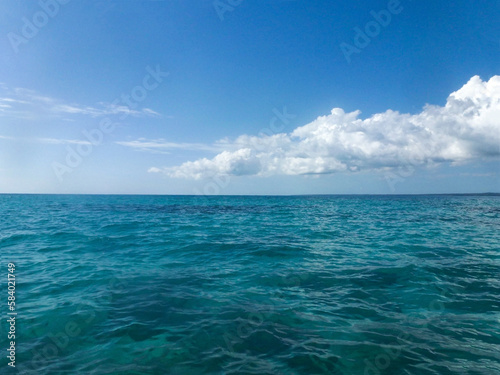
x=328, y=285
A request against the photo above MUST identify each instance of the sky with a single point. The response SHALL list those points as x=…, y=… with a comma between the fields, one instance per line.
x=249, y=97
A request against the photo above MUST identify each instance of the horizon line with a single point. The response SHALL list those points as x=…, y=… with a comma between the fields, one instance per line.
x=263, y=195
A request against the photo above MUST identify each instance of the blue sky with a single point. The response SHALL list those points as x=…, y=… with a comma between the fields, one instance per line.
x=238, y=99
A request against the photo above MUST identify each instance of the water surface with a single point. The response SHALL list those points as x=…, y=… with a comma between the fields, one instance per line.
x=254, y=285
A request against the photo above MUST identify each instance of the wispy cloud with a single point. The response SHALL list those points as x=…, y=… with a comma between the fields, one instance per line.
x=104, y=110
x=489, y=174
x=149, y=111
x=162, y=146
x=466, y=128
x=10, y=100
x=56, y=141
x=26, y=103
x=50, y=141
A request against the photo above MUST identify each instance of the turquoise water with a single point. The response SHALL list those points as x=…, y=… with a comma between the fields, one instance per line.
x=253, y=285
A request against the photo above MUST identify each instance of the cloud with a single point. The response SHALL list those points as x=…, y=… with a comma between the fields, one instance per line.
x=149, y=111
x=54, y=141
x=104, y=110
x=25, y=103
x=10, y=100
x=237, y=163
x=466, y=128
x=50, y=141
x=161, y=146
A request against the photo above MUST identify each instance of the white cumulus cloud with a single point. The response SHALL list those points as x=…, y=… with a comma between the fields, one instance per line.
x=466, y=128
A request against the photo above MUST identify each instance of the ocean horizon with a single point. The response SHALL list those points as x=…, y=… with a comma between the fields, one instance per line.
x=264, y=195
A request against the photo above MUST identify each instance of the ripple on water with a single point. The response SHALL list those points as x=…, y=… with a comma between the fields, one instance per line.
x=256, y=285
